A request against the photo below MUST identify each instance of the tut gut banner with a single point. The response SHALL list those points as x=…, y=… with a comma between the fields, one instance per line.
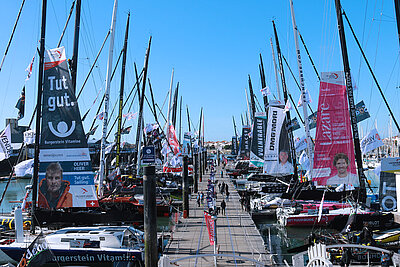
x=66, y=178
x=276, y=153
x=334, y=162
x=210, y=227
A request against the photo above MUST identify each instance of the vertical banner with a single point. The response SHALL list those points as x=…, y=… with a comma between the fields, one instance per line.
x=387, y=187
x=258, y=139
x=277, y=160
x=66, y=178
x=334, y=162
x=245, y=143
x=186, y=144
x=234, y=145
x=210, y=227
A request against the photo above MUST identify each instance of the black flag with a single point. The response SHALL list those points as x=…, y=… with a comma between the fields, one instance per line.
x=21, y=104
x=37, y=254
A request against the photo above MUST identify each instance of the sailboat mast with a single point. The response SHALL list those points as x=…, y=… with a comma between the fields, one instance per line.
x=180, y=121
x=253, y=104
x=303, y=89
x=74, y=65
x=397, y=9
x=285, y=95
x=188, y=117
x=263, y=83
x=234, y=126
x=38, y=114
x=248, y=116
x=107, y=100
x=275, y=69
x=121, y=92
x=140, y=117
x=350, y=96
x=169, y=103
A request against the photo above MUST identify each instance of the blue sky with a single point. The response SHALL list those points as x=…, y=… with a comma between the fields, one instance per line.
x=213, y=46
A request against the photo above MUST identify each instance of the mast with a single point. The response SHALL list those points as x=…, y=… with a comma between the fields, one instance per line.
x=38, y=114
x=107, y=100
x=263, y=82
x=303, y=89
x=180, y=121
x=397, y=9
x=140, y=117
x=169, y=103
x=275, y=69
x=74, y=64
x=248, y=116
x=121, y=92
x=188, y=117
x=175, y=105
x=285, y=95
x=234, y=126
x=253, y=104
x=350, y=96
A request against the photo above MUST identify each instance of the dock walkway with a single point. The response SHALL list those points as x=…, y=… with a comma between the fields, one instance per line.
x=236, y=233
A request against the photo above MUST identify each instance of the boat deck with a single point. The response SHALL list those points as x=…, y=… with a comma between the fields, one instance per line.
x=236, y=233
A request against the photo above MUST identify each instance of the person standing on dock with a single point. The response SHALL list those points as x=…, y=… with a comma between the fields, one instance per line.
x=198, y=199
x=223, y=206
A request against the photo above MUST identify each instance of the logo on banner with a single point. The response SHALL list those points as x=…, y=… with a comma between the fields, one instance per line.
x=62, y=129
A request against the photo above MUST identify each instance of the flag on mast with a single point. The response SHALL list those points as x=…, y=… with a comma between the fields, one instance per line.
x=21, y=105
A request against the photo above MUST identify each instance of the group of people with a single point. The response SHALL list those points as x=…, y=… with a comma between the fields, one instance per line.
x=224, y=189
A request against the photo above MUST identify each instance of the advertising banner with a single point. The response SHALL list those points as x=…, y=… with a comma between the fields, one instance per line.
x=245, y=143
x=186, y=144
x=277, y=159
x=234, y=145
x=210, y=227
x=334, y=162
x=258, y=139
x=66, y=178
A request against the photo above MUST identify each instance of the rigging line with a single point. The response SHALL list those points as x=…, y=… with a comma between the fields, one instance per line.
x=112, y=75
x=66, y=23
x=362, y=41
x=390, y=77
x=148, y=103
x=372, y=73
x=298, y=86
x=259, y=106
x=102, y=100
x=375, y=56
x=165, y=99
x=94, y=63
x=308, y=54
x=12, y=34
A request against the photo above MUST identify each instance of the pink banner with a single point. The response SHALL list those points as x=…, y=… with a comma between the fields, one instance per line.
x=173, y=141
x=334, y=162
x=210, y=227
